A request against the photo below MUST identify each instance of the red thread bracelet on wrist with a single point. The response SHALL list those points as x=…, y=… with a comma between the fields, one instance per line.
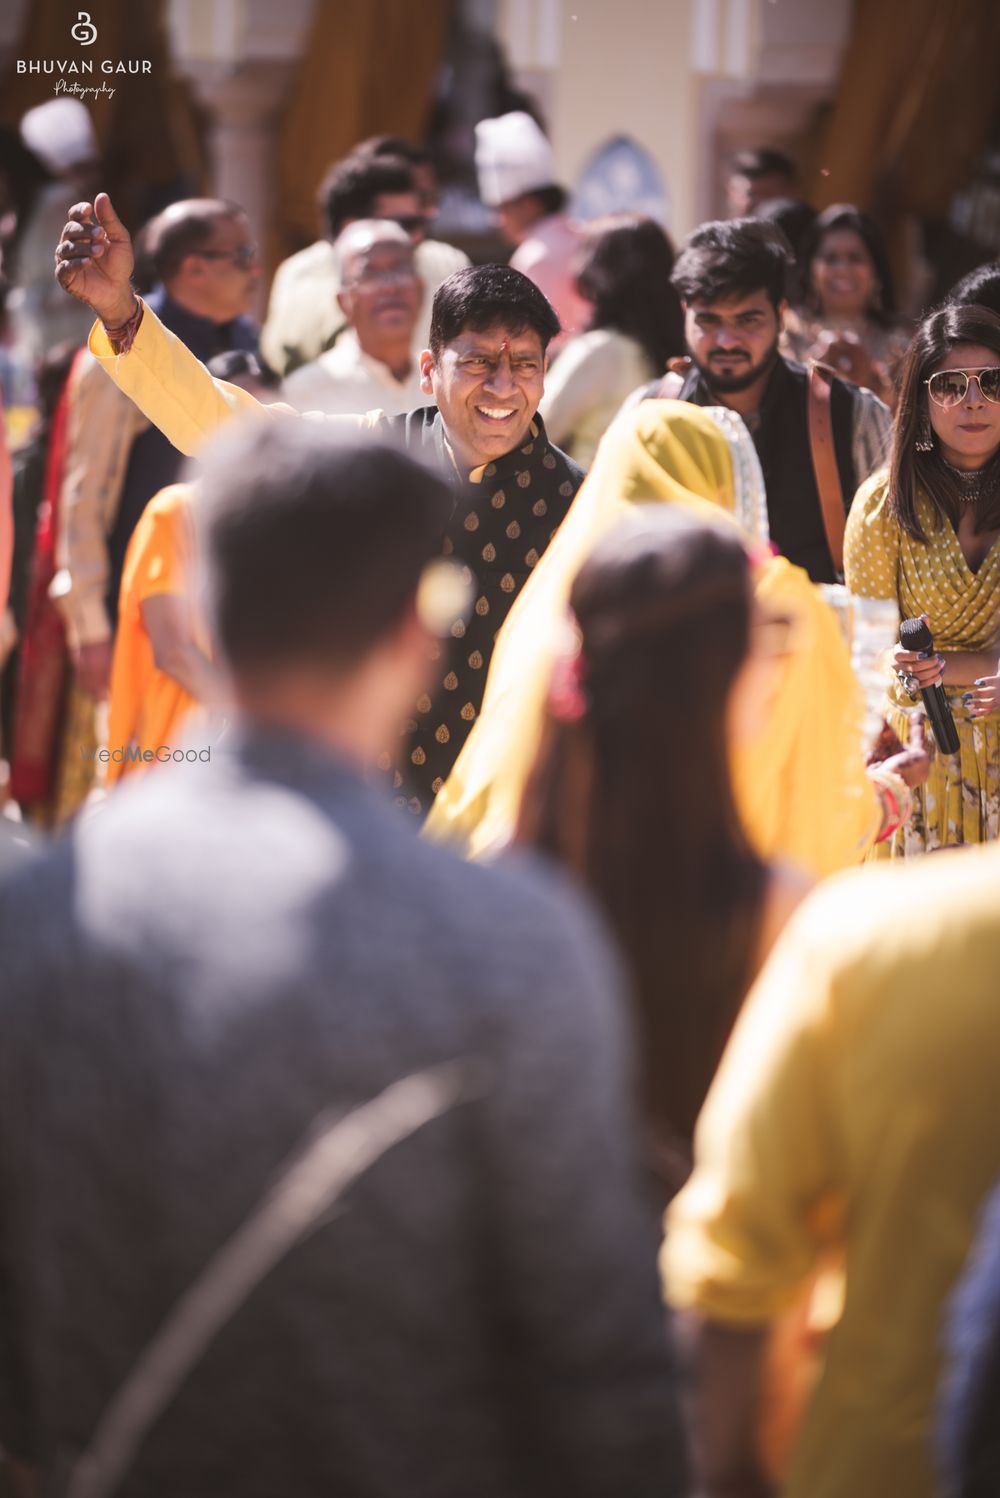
x=122, y=338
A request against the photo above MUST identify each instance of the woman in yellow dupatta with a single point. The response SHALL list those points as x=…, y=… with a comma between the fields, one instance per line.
x=801, y=785
x=927, y=536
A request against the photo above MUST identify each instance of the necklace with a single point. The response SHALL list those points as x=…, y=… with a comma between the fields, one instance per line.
x=973, y=483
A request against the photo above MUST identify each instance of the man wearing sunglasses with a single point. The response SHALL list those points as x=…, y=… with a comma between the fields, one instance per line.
x=204, y=261
x=304, y=316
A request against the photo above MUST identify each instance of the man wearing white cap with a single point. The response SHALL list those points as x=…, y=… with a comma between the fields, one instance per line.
x=517, y=177
x=61, y=135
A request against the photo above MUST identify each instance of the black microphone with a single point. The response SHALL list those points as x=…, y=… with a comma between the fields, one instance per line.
x=914, y=635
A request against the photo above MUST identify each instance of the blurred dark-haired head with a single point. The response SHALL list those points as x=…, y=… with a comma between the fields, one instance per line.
x=367, y=185
x=960, y=336
x=650, y=588
x=633, y=791
x=980, y=288
x=180, y=230
x=847, y=266
x=203, y=252
x=315, y=546
x=419, y=159
x=730, y=258
x=756, y=175
x=624, y=272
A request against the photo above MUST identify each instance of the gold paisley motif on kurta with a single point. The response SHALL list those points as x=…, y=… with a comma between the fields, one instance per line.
x=500, y=526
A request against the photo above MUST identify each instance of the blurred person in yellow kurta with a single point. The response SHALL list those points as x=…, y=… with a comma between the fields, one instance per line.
x=800, y=783
x=162, y=675
x=855, y=1111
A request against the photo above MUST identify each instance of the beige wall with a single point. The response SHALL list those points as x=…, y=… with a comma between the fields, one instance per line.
x=621, y=66
x=691, y=80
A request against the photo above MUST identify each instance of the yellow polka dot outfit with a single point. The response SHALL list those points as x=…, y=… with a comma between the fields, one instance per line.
x=961, y=801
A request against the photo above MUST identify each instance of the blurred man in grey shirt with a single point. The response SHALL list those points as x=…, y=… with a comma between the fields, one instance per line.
x=229, y=952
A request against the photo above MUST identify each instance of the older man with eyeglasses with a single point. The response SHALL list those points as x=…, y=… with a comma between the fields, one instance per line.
x=372, y=365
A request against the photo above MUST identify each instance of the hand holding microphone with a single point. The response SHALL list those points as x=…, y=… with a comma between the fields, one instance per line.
x=916, y=660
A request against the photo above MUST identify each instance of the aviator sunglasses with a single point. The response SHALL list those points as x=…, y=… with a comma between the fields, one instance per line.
x=949, y=386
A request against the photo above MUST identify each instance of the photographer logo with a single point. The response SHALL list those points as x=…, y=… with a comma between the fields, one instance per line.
x=84, y=31
x=63, y=69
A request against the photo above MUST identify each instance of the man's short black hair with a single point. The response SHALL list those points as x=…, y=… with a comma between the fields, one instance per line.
x=394, y=145
x=315, y=543
x=979, y=288
x=478, y=297
x=762, y=162
x=351, y=188
x=732, y=258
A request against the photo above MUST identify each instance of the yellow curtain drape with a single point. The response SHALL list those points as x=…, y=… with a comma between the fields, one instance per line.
x=369, y=68
x=919, y=91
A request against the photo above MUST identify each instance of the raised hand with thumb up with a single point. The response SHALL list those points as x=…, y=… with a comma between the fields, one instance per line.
x=94, y=261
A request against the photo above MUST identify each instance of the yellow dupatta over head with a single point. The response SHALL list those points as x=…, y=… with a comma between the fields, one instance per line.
x=800, y=784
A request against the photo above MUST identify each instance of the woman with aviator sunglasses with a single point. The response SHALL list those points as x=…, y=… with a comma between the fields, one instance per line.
x=925, y=535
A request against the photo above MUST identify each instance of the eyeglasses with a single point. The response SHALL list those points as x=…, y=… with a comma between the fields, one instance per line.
x=244, y=257
x=949, y=387
x=400, y=275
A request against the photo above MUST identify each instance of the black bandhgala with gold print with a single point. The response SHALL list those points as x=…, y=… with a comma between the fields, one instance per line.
x=504, y=516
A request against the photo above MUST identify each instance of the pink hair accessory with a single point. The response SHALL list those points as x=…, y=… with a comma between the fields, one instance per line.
x=567, y=697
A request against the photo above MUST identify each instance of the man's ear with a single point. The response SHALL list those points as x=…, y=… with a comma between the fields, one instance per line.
x=344, y=303
x=427, y=367
x=781, y=310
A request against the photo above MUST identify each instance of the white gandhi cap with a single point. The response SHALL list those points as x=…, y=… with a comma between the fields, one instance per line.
x=512, y=157
x=60, y=133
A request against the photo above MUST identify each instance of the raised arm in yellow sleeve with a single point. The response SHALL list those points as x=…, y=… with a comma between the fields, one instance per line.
x=94, y=263
x=171, y=387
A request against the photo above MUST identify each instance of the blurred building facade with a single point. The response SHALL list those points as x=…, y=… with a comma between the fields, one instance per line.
x=689, y=81
x=891, y=107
